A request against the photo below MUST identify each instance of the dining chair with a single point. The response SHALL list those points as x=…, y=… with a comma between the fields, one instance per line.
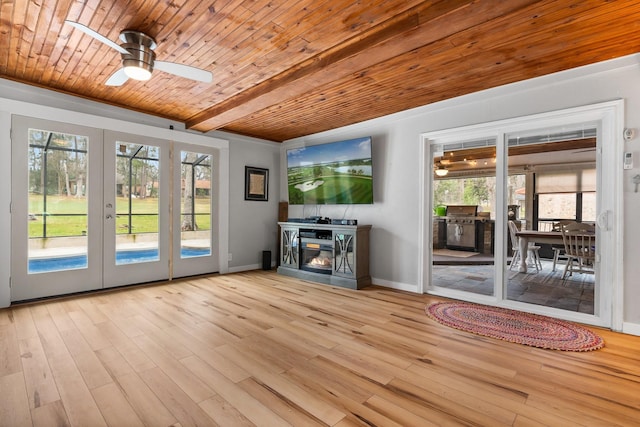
x=532, y=250
x=580, y=248
x=558, y=250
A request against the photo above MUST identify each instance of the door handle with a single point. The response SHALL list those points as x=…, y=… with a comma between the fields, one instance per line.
x=109, y=216
x=603, y=220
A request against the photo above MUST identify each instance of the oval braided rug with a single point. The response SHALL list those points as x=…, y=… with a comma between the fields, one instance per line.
x=515, y=326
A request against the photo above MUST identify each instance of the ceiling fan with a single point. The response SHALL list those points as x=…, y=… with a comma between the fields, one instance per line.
x=139, y=58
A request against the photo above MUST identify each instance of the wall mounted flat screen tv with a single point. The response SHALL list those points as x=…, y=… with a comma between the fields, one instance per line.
x=331, y=174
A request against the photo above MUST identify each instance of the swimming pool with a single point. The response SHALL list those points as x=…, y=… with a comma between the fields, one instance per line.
x=43, y=265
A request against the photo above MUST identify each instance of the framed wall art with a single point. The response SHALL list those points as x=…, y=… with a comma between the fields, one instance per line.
x=256, y=184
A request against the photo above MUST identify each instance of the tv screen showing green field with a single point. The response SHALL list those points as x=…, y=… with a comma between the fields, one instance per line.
x=331, y=174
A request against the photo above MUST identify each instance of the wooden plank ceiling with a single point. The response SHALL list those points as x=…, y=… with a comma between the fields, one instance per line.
x=284, y=69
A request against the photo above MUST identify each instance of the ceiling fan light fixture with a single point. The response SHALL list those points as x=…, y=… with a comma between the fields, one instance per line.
x=137, y=72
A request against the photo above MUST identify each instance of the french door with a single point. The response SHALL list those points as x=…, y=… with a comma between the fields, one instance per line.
x=56, y=208
x=94, y=208
x=135, y=209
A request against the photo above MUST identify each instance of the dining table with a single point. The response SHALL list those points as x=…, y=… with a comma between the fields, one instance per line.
x=533, y=236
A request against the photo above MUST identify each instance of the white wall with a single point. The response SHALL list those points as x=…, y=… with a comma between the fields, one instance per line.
x=394, y=214
x=253, y=224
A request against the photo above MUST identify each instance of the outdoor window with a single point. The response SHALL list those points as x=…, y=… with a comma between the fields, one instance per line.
x=566, y=195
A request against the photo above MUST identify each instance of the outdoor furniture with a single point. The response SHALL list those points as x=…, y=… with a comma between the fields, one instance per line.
x=558, y=250
x=580, y=248
x=526, y=237
x=517, y=249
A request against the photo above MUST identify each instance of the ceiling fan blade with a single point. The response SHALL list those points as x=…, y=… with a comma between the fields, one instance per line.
x=182, y=70
x=117, y=79
x=97, y=36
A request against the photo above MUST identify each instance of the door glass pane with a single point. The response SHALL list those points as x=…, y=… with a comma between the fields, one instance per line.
x=195, y=211
x=57, y=165
x=464, y=217
x=137, y=189
x=536, y=266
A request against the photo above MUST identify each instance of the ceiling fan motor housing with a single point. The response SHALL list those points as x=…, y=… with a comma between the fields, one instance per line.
x=140, y=47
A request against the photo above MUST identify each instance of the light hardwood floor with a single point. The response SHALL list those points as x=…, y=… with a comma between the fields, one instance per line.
x=261, y=349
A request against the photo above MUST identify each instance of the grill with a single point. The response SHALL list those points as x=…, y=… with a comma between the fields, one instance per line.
x=461, y=227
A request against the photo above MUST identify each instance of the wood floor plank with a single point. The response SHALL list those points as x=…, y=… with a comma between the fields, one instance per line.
x=171, y=367
x=161, y=338
x=23, y=321
x=89, y=365
x=50, y=415
x=80, y=407
x=558, y=408
x=246, y=404
x=10, y=362
x=41, y=388
x=89, y=330
x=397, y=413
x=258, y=348
x=262, y=372
x=322, y=375
x=144, y=401
x=223, y=413
x=186, y=410
x=440, y=409
x=341, y=400
x=135, y=358
x=60, y=316
x=288, y=410
x=14, y=404
x=114, y=406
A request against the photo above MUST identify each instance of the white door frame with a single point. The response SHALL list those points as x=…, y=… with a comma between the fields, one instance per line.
x=609, y=120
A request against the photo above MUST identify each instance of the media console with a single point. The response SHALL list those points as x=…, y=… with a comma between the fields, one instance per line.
x=326, y=253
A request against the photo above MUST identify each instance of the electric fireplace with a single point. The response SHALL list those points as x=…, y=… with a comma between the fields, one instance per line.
x=316, y=251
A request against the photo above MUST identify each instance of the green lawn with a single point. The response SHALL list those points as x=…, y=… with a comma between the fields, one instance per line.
x=66, y=216
x=341, y=189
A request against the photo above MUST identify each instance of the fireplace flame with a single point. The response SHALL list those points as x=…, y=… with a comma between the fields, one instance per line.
x=320, y=261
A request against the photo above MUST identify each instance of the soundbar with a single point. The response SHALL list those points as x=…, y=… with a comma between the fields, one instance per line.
x=320, y=220
x=344, y=221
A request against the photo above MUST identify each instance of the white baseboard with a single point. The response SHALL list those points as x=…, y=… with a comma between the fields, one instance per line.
x=395, y=285
x=631, y=328
x=242, y=268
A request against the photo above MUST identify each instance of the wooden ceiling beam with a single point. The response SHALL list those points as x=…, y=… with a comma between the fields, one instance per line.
x=410, y=30
x=478, y=60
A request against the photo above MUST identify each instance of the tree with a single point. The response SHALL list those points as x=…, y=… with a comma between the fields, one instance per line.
x=476, y=191
x=445, y=191
x=188, y=220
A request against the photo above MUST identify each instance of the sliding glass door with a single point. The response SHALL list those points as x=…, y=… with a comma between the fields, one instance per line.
x=530, y=176
x=464, y=201
x=557, y=188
